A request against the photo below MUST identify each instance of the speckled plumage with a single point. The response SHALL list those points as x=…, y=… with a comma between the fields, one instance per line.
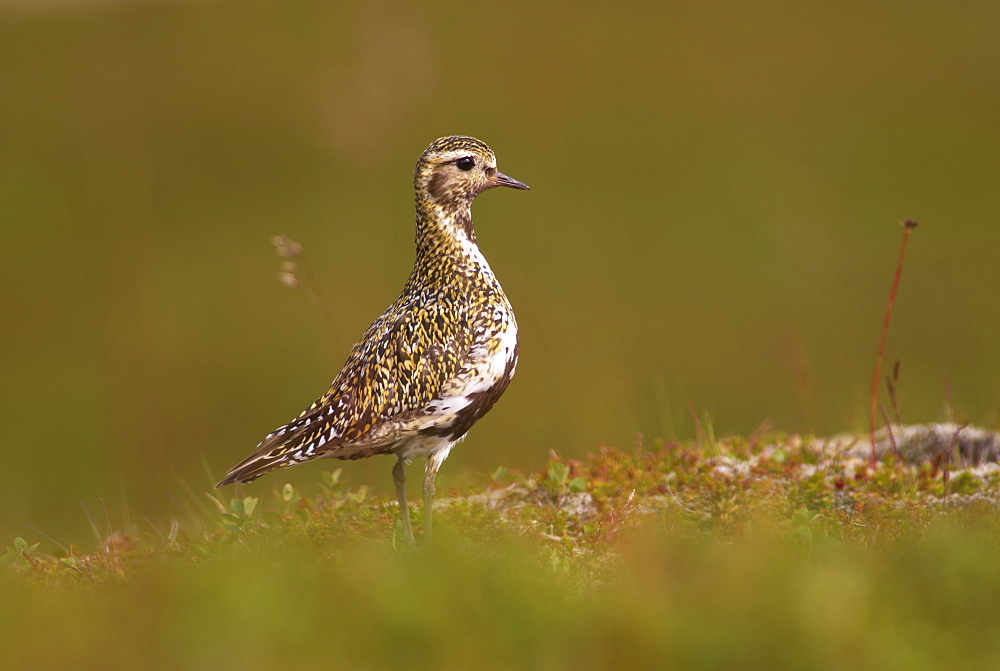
x=436, y=360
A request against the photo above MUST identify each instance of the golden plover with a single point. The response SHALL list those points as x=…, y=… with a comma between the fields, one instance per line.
x=435, y=361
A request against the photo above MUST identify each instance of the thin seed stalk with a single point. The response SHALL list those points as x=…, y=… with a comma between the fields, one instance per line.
x=908, y=226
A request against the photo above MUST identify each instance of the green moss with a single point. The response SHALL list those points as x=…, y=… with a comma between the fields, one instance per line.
x=964, y=483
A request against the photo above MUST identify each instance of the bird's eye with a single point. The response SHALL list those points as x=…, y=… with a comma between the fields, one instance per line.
x=465, y=163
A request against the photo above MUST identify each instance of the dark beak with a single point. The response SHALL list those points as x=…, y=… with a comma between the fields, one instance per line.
x=500, y=179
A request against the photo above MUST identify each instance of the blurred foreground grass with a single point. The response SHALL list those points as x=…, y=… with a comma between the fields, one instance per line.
x=777, y=553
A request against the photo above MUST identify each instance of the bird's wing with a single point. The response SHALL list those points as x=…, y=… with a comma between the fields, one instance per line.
x=398, y=367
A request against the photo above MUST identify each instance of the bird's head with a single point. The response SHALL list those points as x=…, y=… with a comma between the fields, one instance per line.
x=456, y=169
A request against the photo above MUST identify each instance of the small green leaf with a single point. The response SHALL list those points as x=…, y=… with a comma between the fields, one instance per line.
x=303, y=515
x=577, y=485
x=498, y=473
x=558, y=472
x=236, y=505
x=287, y=492
x=20, y=544
x=249, y=504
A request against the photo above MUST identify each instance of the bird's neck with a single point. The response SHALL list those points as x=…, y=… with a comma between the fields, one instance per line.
x=446, y=241
x=445, y=228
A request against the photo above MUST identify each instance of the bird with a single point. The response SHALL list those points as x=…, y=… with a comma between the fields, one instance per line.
x=434, y=362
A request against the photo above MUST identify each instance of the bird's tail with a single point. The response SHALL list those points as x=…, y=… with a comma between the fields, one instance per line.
x=267, y=457
x=293, y=443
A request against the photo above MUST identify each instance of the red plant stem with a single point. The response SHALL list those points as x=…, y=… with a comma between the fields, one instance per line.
x=908, y=226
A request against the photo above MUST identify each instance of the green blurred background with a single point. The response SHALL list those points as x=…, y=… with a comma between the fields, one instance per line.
x=713, y=217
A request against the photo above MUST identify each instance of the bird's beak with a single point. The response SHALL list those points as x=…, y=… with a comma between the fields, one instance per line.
x=500, y=179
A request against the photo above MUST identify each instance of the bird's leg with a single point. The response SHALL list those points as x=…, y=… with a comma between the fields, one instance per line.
x=399, y=477
x=433, y=464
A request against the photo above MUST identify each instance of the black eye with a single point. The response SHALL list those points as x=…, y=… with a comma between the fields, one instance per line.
x=466, y=163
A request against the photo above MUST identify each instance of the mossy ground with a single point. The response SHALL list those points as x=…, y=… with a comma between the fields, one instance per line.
x=739, y=553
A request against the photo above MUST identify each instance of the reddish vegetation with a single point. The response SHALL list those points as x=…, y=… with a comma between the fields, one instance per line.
x=908, y=226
